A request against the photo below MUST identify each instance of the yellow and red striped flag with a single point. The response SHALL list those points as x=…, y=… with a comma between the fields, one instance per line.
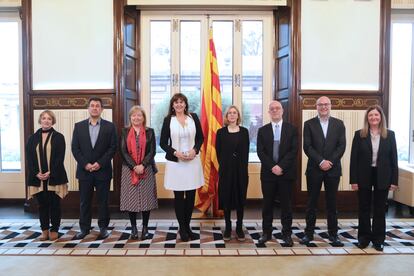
x=211, y=121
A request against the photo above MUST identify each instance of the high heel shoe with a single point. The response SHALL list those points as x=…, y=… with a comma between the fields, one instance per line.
x=145, y=235
x=134, y=232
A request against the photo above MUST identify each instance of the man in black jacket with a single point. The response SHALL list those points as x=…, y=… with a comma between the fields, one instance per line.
x=277, y=147
x=94, y=144
x=324, y=143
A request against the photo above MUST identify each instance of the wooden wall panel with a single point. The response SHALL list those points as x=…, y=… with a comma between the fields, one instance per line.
x=353, y=120
x=65, y=121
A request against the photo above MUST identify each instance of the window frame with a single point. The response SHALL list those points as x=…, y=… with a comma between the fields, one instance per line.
x=403, y=16
x=13, y=15
x=206, y=19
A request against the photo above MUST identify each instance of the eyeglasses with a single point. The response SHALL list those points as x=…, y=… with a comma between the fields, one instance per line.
x=323, y=105
x=275, y=108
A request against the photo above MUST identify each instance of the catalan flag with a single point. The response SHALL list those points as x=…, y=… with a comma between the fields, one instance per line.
x=211, y=121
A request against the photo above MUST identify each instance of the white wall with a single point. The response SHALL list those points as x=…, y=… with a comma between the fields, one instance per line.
x=340, y=44
x=72, y=44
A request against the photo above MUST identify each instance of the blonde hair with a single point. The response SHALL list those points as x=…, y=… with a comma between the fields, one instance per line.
x=50, y=113
x=382, y=125
x=225, y=121
x=137, y=108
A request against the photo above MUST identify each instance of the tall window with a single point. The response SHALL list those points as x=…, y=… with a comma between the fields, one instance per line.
x=174, y=49
x=10, y=156
x=402, y=93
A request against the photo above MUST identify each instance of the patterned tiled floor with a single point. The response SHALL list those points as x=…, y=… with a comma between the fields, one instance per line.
x=21, y=237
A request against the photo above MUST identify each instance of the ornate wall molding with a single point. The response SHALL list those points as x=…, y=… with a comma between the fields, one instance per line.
x=343, y=102
x=67, y=102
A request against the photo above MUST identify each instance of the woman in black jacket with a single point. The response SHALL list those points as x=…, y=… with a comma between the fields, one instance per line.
x=138, y=186
x=373, y=172
x=46, y=174
x=181, y=139
x=232, y=147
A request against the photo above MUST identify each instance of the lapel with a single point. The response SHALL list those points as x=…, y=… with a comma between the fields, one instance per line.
x=88, y=135
x=369, y=144
x=382, y=142
x=283, y=136
x=330, y=128
x=319, y=128
x=100, y=132
x=269, y=135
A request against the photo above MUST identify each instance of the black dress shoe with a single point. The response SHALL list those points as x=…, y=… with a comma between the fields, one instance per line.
x=103, y=233
x=81, y=235
x=306, y=240
x=379, y=247
x=288, y=241
x=134, y=232
x=335, y=241
x=265, y=237
x=227, y=234
x=145, y=235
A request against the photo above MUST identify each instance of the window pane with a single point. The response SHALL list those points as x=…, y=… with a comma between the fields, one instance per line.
x=223, y=41
x=252, y=78
x=9, y=96
x=401, y=45
x=190, y=45
x=160, y=80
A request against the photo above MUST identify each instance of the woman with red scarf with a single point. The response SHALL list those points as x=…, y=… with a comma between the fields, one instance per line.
x=138, y=187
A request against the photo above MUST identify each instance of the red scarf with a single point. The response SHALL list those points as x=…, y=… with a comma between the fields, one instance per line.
x=136, y=156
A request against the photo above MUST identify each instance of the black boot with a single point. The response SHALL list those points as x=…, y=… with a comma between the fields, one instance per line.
x=180, y=214
x=183, y=233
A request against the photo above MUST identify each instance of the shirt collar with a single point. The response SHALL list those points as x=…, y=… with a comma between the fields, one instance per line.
x=323, y=121
x=97, y=122
x=278, y=123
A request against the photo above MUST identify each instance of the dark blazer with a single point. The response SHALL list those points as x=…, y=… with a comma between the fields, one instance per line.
x=149, y=149
x=361, y=160
x=57, y=156
x=103, y=152
x=288, y=149
x=165, y=139
x=319, y=148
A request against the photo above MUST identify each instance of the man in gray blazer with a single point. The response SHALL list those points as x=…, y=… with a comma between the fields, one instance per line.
x=94, y=144
x=324, y=143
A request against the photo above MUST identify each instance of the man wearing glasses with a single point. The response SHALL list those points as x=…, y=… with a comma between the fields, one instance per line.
x=324, y=144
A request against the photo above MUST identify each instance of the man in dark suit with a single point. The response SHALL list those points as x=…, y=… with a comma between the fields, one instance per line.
x=277, y=147
x=324, y=144
x=94, y=144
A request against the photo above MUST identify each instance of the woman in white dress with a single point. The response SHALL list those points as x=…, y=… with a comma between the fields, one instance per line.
x=181, y=139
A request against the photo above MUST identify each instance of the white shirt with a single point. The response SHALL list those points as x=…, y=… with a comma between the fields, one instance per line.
x=324, y=125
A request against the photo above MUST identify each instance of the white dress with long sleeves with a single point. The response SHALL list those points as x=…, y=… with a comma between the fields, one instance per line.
x=183, y=175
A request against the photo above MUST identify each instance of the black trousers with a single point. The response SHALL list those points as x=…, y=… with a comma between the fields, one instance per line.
x=240, y=215
x=269, y=190
x=376, y=233
x=49, y=210
x=314, y=185
x=184, y=205
x=86, y=188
